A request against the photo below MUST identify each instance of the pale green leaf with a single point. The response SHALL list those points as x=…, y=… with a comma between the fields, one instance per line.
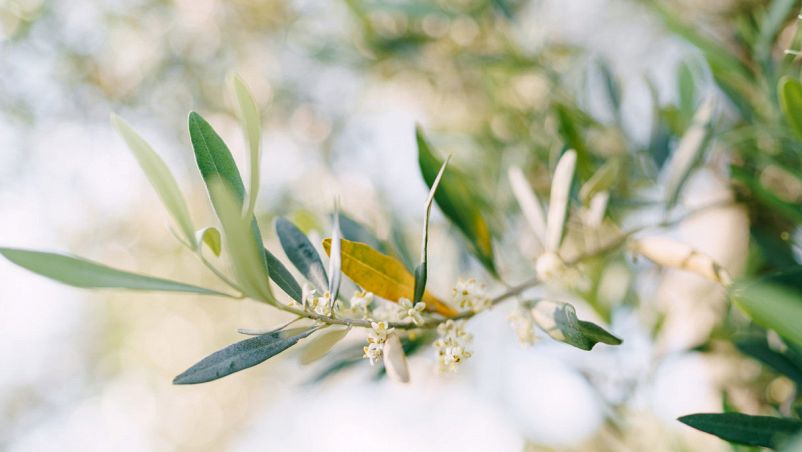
x=80, y=272
x=248, y=114
x=159, y=176
x=247, y=256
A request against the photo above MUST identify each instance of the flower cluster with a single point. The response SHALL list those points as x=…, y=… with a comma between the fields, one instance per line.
x=313, y=302
x=470, y=294
x=376, y=339
x=523, y=325
x=451, y=345
x=412, y=312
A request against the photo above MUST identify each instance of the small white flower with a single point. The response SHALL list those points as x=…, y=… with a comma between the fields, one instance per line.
x=412, y=312
x=451, y=345
x=376, y=340
x=314, y=303
x=360, y=302
x=523, y=325
x=470, y=294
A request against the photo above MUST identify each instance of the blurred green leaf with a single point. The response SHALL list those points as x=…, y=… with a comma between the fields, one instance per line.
x=302, y=253
x=758, y=348
x=159, y=176
x=248, y=114
x=744, y=429
x=210, y=237
x=80, y=272
x=790, y=92
x=247, y=256
x=282, y=277
x=239, y=356
x=772, y=304
x=356, y=232
x=457, y=203
x=559, y=321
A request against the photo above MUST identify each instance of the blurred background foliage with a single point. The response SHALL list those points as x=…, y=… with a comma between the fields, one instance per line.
x=494, y=83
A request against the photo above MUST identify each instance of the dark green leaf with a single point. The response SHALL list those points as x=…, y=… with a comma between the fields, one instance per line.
x=302, y=253
x=80, y=272
x=740, y=428
x=758, y=348
x=239, y=356
x=282, y=277
x=457, y=203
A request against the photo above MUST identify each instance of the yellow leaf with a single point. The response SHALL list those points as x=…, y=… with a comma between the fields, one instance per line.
x=383, y=275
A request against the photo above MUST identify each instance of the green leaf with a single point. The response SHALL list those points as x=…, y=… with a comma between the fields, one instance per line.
x=302, y=253
x=247, y=256
x=773, y=305
x=239, y=356
x=457, y=203
x=282, y=277
x=740, y=428
x=558, y=320
x=321, y=344
x=159, y=176
x=251, y=122
x=790, y=91
x=421, y=269
x=758, y=348
x=210, y=237
x=215, y=162
x=80, y=272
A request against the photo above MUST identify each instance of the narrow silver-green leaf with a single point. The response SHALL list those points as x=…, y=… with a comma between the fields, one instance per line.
x=322, y=344
x=421, y=270
x=210, y=237
x=283, y=278
x=559, y=200
x=559, y=320
x=302, y=253
x=80, y=272
x=604, y=178
x=239, y=356
x=159, y=176
x=247, y=256
x=249, y=117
